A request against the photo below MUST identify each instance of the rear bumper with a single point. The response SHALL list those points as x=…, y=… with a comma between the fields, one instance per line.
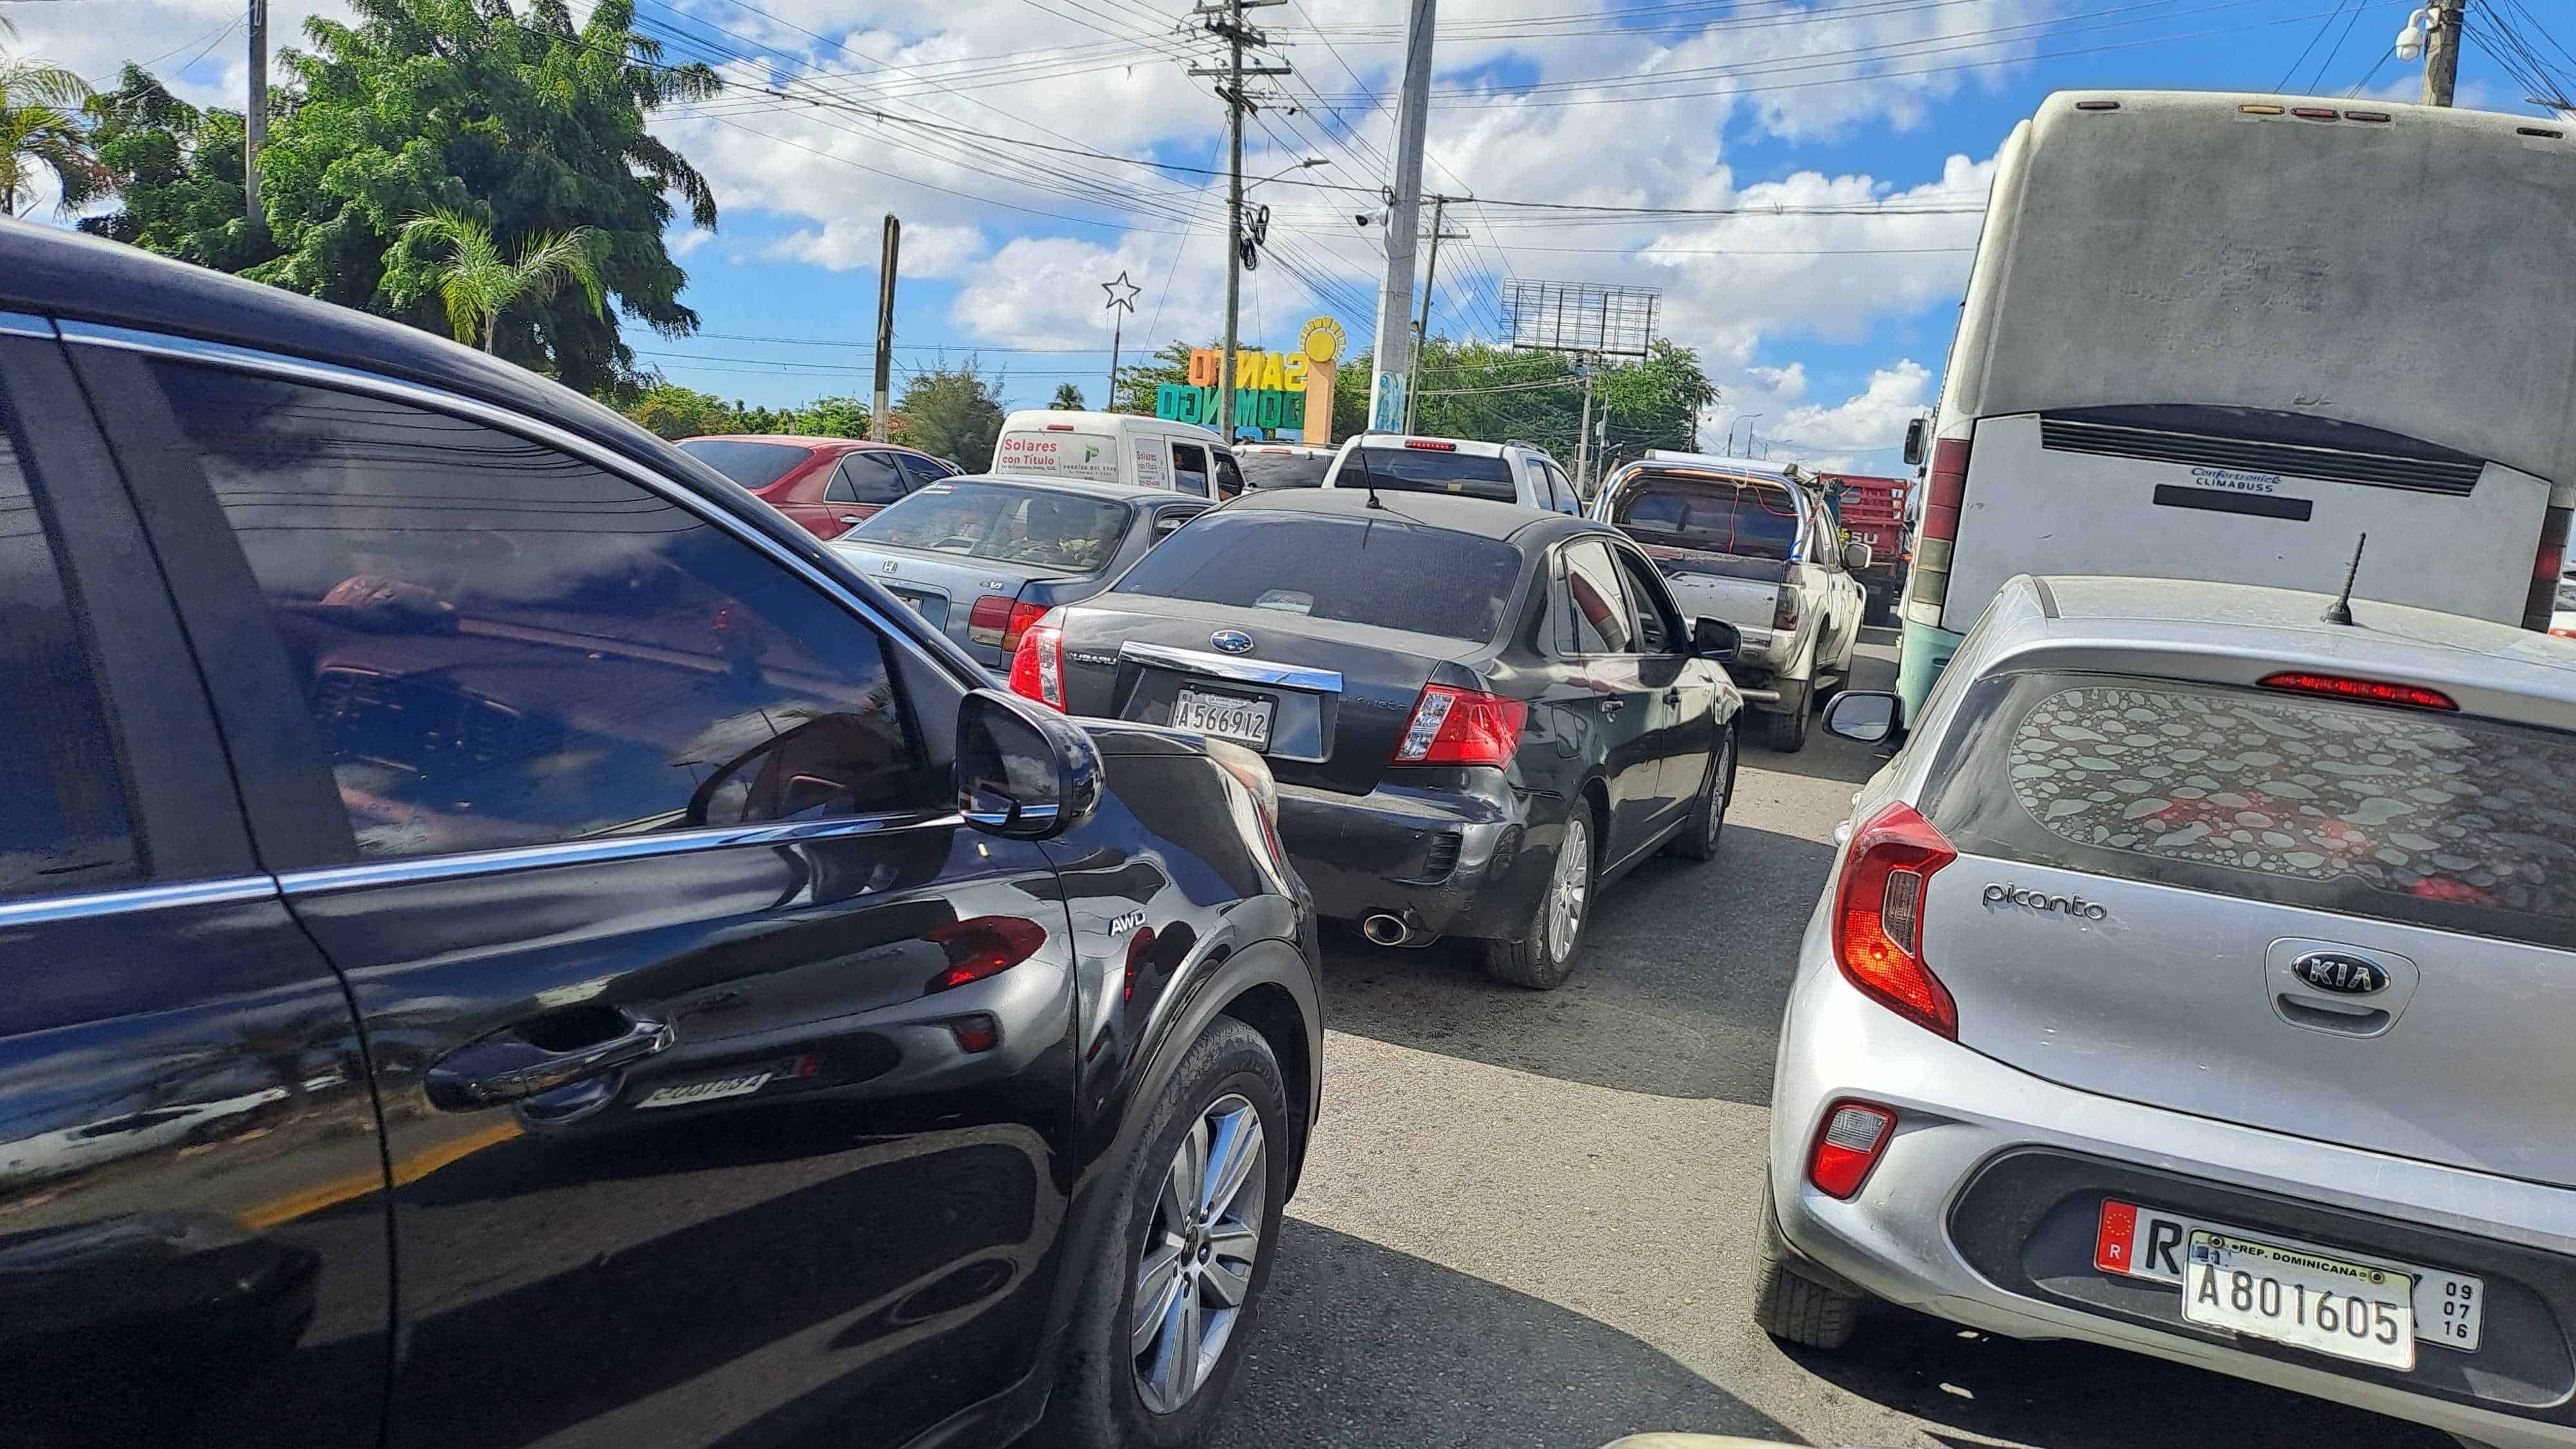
x=1453, y=863
x=1983, y=1209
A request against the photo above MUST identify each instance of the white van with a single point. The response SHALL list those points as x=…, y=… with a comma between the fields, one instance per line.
x=1124, y=448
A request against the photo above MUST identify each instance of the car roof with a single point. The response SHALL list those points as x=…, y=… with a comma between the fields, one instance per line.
x=1124, y=492
x=1486, y=518
x=804, y=440
x=2227, y=631
x=1121, y=421
x=1471, y=447
x=77, y=278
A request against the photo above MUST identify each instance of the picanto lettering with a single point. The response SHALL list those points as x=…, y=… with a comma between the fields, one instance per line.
x=2076, y=906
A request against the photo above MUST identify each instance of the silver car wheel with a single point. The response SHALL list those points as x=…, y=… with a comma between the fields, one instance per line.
x=1565, y=893
x=1194, y=1269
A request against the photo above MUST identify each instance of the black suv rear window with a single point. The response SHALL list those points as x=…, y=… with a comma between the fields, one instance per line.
x=1428, y=470
x=2435, y=820
x=753, y=465
x=1363, y=571
x=1712, y=515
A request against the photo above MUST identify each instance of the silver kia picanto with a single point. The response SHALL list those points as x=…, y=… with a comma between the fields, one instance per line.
x=2198, y=979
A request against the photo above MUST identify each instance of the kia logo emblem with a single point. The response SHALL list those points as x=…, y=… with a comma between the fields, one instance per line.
x=1232, y=641
x=2339, y=973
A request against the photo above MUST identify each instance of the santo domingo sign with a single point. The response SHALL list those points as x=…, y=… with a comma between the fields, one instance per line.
x=1272, y=390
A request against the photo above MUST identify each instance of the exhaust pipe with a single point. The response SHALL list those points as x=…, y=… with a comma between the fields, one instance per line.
x=1386, y=928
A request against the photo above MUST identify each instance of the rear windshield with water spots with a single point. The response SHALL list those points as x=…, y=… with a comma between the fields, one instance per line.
x=2405, y=815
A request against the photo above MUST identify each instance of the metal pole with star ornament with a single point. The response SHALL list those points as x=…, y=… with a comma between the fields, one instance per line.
x=1122, y=300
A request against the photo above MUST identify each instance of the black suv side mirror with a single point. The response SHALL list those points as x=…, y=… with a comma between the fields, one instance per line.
x=1714, y=639
x=1022, y=770
x=1914, y=449
x=1868, y=716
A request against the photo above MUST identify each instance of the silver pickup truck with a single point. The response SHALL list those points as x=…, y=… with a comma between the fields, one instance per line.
x=1754, y=544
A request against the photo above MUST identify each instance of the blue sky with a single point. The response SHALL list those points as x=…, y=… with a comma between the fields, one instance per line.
x=1832, y=327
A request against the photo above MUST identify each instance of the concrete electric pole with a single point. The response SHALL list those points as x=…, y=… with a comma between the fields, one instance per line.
x=255, y=119
x=1393, y=342
x=1422, y=329
x=1225, y=21
x=2442, y=53
x=884, y=401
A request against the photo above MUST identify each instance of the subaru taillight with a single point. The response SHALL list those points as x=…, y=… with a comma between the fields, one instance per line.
x=1854, y=1135
x=1461, y=727
x=1037, y=667
x=1878, y=916
x=1000, y=620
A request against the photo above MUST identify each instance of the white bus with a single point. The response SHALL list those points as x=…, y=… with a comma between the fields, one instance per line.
x=2220, y=336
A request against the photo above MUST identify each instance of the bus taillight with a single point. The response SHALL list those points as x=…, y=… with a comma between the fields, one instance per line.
x=1927, y=579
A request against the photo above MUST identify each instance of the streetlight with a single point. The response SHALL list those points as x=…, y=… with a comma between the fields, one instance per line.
x=1747, y=420
x=1306, y=165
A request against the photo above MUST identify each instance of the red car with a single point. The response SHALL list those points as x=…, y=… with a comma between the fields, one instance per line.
x=828, y=485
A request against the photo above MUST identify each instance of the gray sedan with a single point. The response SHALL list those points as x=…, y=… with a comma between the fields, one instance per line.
x=2195, y=981
x=982, y=558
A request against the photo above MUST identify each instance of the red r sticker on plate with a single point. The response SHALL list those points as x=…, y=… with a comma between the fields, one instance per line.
x=2113, y=1245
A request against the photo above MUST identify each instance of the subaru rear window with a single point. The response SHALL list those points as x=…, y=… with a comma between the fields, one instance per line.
x=1711, y=515
x=753, y=465
x=1428, y=470
x=2435, y=820
x=1361, y=571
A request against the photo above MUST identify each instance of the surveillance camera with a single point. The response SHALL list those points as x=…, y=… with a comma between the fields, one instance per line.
x=1360, y=218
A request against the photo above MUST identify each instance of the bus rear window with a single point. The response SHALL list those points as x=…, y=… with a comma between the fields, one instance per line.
x=2453, y=823
x=1711, y=515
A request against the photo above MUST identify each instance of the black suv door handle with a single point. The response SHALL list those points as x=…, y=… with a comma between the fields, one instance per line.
x=509, y=1065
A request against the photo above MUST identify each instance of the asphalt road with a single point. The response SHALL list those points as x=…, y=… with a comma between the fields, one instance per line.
x=1527, y=1219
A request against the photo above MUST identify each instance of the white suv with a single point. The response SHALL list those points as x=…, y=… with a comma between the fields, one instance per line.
x=1505, y=472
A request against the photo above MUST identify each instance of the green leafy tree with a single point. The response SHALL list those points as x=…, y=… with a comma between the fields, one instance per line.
x=42, y=130
x=478, y=285
x=179, y=173
x=833, y=417
x=1068, y=398
x=951, y=413
x=672, y=411
x=518, y=117
x=1139, y=382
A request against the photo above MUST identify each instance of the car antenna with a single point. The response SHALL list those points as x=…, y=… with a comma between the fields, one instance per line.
x=2340, y=611
x=1368, y=476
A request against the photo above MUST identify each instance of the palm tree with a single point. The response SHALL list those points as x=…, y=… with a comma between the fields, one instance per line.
x=40, y=127
x=1068, y=398
x=478, y=286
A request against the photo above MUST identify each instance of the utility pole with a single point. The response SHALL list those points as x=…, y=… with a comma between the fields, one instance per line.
x=1422, y=329
x=1583, y=435
x=1393, y=342
x=255, y=119
x=1225, y=21
x=885, y=327
x=2442, y=56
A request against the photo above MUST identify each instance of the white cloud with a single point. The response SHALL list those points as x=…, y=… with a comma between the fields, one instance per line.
x=1874, y=418
x=845, y=245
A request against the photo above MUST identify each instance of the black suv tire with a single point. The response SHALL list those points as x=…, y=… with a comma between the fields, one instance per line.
x=1097, y=1403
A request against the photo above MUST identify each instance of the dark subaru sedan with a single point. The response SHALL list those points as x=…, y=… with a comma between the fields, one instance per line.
x=1477, y=712
x=510, y=941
